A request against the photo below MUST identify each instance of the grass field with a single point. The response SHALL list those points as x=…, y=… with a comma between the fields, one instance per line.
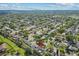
x=12, y=45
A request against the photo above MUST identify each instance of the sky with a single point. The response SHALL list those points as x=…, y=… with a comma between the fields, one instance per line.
x=39, y=6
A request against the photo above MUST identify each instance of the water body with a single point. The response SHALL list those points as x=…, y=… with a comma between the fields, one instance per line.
x=39, y=11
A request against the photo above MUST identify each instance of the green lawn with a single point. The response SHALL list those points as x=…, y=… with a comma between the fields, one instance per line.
x=12, y=45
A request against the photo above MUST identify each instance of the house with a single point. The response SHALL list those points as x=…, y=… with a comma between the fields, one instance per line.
x=2, y=47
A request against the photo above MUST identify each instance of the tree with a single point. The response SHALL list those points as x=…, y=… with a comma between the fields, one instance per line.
x=70, y=37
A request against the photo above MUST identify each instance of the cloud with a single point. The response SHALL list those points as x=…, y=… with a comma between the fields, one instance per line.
x=43, y=6
x=64, y=6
